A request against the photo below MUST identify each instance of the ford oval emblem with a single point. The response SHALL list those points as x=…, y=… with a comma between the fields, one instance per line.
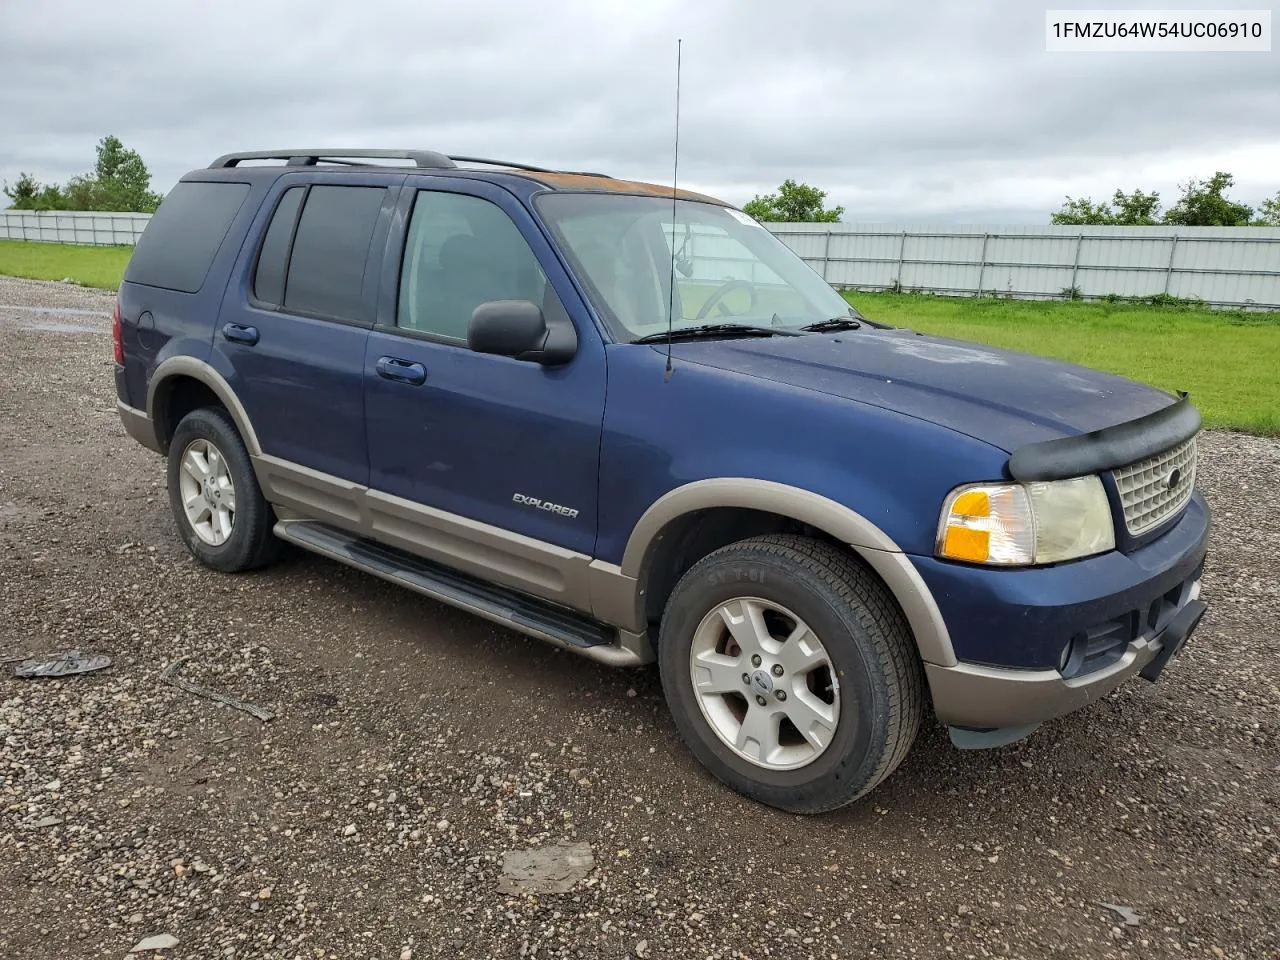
x=1173, y=479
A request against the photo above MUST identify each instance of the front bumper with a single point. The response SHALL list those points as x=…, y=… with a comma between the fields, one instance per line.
x=1032, y=645
x=989, y=698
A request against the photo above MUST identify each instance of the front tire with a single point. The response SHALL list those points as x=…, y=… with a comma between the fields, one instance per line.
x=790, y=672
x=216, y=501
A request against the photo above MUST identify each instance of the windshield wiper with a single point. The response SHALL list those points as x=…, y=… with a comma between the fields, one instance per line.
x=709, y=330
x=834, y=323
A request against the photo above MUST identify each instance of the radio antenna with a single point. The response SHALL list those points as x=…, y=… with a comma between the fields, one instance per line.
x=675, y=176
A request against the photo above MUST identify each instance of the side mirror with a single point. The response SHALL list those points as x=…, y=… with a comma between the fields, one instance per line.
x=517, y=328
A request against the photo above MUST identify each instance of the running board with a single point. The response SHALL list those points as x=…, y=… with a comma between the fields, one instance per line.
x=554, y=624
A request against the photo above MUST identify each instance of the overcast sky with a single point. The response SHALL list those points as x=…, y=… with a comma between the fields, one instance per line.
x=924, y=110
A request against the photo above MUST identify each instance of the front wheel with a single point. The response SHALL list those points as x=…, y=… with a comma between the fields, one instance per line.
x=790, y=672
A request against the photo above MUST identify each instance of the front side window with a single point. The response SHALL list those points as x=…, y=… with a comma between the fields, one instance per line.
x=462, y=251
x=728, y=268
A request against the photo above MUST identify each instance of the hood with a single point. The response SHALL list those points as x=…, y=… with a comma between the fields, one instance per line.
x=1004, y=398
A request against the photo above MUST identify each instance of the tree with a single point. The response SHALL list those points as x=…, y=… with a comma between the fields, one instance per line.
x=1269, y=212
x=1203, y=204
x=793, y=203
x=29, y=194
x=23, y=194
x=120, y=181
x=1137, y=208
x=1131, y=209
x=1083, y=212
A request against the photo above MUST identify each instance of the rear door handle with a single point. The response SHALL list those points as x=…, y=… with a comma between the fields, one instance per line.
x=402, y=371
x=239, y=333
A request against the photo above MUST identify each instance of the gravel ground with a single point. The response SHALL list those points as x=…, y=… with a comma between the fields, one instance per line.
x=415, y=745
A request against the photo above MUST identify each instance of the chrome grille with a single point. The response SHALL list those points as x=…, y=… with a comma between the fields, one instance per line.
x=1154, y=489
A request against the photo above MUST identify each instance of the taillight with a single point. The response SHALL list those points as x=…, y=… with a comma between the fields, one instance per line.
x=117, y=342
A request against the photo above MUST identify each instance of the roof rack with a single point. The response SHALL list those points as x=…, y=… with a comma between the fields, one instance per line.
x=423, y=159
x=526, y=167
x=309, y=158
x=501, y=163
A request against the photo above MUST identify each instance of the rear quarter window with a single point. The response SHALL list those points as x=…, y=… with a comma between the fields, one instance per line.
x=179, y=244
x=273, y=259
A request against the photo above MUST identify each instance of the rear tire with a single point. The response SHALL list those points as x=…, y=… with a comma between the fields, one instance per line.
x=216, y=501
x=791, y=672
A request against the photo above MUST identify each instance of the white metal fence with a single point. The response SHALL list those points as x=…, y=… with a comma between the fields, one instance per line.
x=101, y=229
x=1223, y=266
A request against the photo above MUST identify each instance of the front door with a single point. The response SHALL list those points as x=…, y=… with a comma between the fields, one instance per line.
x=496, y=450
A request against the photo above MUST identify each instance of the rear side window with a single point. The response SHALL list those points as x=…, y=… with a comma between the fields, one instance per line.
x=179, y=244
x=326, y=267
x=273, y=259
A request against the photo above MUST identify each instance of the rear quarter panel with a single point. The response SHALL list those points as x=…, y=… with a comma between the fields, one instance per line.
x=157, y=323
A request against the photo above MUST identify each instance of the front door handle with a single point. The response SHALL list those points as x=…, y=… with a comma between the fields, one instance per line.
x=239, y=333
x=402, y=371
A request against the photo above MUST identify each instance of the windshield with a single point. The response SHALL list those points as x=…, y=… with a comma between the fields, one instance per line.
x=729, y=269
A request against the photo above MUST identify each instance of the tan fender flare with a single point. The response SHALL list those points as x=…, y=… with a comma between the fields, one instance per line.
x=846, y=525
x=199, y=370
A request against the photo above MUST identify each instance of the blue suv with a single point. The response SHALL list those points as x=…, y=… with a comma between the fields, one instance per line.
x=633, y=424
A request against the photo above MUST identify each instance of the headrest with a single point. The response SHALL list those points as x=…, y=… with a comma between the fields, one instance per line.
x=462, y=252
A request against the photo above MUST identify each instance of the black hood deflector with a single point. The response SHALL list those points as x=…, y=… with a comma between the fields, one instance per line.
x=1108, y=448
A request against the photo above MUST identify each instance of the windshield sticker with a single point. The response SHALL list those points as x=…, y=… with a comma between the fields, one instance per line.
x=743, y=218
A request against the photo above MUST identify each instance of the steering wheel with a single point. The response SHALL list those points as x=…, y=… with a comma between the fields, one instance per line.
x=723, y=291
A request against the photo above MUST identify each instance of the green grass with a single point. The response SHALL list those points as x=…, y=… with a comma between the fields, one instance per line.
x=1228, y=361
x=87, y=266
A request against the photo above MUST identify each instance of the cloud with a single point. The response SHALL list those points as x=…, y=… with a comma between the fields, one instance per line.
x=929, y=110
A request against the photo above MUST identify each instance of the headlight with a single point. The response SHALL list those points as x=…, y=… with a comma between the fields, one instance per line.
x=1020, y=524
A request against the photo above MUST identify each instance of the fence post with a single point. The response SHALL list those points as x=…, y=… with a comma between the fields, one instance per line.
x=1168, y=274
x=826, y=255
x=902, y=253
x=982, y=263
x=1075, y=266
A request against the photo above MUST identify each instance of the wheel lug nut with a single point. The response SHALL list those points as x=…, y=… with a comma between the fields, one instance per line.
x=777, y=669
x=761, y=701
x=746, y=678
x=755, y=659
x=781, y=694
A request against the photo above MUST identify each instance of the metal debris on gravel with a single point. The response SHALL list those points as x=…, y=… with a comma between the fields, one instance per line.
x=61, y=665
x=170, y=675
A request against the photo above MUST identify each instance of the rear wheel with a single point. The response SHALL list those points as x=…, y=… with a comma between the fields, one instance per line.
x=217, y=504
x=790, y=672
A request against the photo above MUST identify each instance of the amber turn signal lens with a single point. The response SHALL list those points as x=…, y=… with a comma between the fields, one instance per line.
x=1015, y=524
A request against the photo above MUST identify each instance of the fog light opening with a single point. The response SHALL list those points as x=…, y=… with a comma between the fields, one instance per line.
x=1072, y=655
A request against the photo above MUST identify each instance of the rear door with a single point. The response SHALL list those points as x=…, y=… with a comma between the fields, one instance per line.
x=295, y=330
